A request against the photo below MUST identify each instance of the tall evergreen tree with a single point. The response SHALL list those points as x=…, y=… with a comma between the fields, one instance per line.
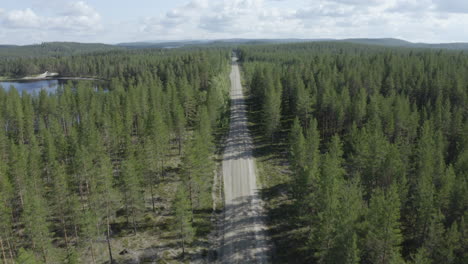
x=183, y=216
x=271, y=111
x=132, y=191
x=383, y=240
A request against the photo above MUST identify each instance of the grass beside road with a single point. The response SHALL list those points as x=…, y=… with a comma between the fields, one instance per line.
x=274, y=176
x=156, y=240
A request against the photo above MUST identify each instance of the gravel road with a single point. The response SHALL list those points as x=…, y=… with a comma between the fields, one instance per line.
x=245, y=239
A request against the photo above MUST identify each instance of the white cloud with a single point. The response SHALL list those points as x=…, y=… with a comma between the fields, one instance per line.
x=77, y=16
x=245, y=18
x=326, y=10
x=358, y=2
x=21, y=19
x=452, y=6
x=414, y=20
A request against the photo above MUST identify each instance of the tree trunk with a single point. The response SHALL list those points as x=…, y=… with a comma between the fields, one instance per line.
x=92, y=251
x=183, y=240
x=162, y=169
x=3, y=251
x=108, y=240
x=64, y=227
x=179, y=141
x=44, y=254
x=75, y=228
x=152, y=196
x=126, y=209
x=191, y=198
x=134, y=222
x=10, y=249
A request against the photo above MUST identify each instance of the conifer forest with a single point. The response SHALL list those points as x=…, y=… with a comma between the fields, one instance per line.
x=361, y=153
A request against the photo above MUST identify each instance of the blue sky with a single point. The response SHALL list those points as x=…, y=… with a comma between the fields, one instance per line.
x=36, y=21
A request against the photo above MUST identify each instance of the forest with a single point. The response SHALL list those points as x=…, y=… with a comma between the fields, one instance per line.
x=88, y=170
x=53, y=49
x=362, y=153
x=375, y=142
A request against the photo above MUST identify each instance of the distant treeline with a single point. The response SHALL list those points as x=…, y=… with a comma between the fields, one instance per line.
x=53, y=49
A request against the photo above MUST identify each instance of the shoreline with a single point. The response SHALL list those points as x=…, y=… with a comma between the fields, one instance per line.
x=52, y=78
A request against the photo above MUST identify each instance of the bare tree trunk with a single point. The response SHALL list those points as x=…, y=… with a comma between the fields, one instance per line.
x=183, y=241
x=10, y=249
x=179, y=141
x=64, y=227
x=3, y=251
x=162, y=169
x=108, y=240
x=152, y=196
x=75, y=228
x=92, y=251
x=134, y=222
x=126, y=209
x=108, y=236
x=44, y=254
x=191, y=198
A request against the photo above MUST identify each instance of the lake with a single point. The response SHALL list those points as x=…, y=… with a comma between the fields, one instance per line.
x=35, y=86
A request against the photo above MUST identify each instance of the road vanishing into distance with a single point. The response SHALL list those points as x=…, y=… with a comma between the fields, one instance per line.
x=245, y=238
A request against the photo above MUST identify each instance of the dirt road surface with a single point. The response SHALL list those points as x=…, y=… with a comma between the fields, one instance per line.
x=245, y=239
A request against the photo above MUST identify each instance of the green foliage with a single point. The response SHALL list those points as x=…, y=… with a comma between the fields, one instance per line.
x=75, y=162
x=26, y=257
x=183, y=216
x=384, y=238
x=401, y=115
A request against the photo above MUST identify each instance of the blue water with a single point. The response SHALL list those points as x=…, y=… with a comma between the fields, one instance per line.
x=33, y=87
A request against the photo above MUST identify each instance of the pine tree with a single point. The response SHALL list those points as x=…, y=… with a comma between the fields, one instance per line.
x=183, y=216
x=156, y=147
x=103, y=199
x=303, y=106
x=358, y=105
x=6, y=216
x=327, y=202
x=18, y=171
x=271, y=110
x=425, y=190
x=298, y=166
x=462, y=252
x=61, y=200
x=132, y=190
x=345, y=242
x=179, y=124
x=297, y=147
x=312, y=144
x=26, y=257
x=450, y=244
x=384, y=238
x=34, y=217
x=197, y=170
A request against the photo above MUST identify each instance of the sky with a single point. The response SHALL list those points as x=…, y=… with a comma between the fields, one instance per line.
x=115, y=21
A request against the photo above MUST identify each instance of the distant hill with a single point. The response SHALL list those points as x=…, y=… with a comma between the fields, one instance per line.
x=54, y=49
x=389, y=42
x=48, y=49
x=381, y=41
x=392, y=42
x=215, y=42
